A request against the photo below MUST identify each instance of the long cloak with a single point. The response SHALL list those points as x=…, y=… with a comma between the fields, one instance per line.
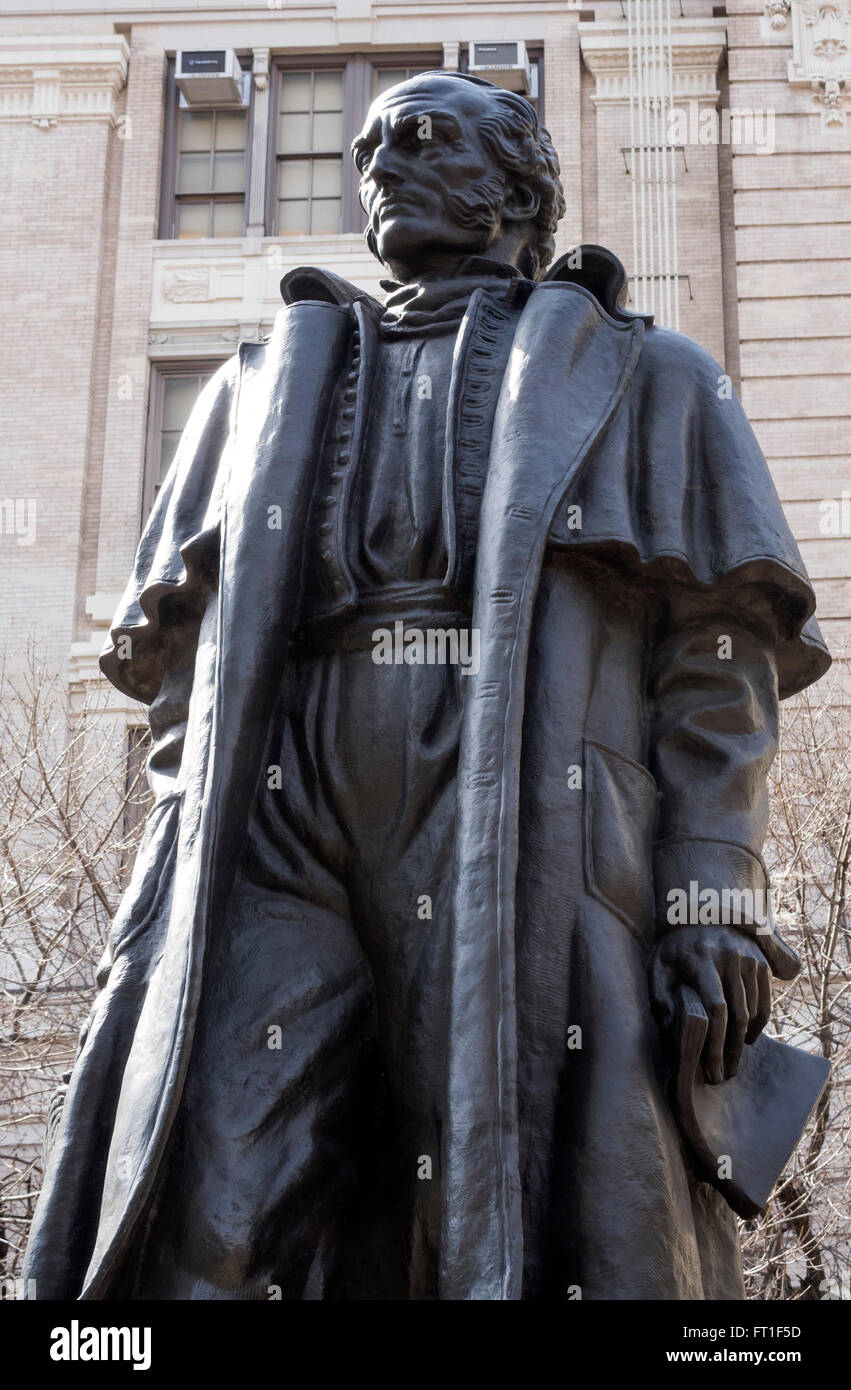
x=562, y=1167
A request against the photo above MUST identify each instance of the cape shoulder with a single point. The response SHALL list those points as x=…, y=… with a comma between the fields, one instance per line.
x=680, y=491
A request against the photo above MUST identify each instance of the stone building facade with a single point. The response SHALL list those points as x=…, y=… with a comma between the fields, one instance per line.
x=143, y=239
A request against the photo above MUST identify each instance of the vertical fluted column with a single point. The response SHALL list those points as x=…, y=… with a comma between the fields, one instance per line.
x=259, y=145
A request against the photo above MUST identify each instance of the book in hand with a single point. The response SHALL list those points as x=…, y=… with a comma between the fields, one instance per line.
x=747, y=1126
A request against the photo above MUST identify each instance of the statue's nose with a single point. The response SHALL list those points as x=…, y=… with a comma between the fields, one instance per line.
x=386, y=168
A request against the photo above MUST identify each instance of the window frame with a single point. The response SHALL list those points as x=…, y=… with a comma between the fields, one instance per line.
x=169, y=198
x=326, y=62
x=535, y=54
x=359, y=71
x=137, y=749
x=160, y=373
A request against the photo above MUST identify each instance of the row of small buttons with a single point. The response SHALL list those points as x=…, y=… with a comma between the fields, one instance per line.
x=334, y=580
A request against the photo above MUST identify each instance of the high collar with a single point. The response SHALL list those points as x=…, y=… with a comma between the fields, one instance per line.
x=427, y=308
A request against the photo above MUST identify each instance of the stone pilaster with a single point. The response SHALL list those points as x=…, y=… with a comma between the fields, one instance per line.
x=698, y=48
x=259, y=145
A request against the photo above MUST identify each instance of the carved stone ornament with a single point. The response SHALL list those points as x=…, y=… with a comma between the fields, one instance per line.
x=821, y=61
x=188, y=285
x=776, y=11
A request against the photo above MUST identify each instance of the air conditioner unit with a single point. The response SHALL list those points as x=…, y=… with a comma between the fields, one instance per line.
x=210, y=77
x=505, y=64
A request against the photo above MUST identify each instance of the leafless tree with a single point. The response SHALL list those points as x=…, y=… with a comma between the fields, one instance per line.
x=70, y=813
x=71, y=808
x=801, y=1247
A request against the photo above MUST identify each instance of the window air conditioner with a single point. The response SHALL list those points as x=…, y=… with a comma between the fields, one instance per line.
x=505, y=64
x=212, y=77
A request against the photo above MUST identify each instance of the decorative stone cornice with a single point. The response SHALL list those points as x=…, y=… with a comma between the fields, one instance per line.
x=698, y=46
x=47, y=78
x=198, y=340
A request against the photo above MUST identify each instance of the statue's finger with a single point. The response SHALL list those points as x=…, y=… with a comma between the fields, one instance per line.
x=711, y=994
x=763, y=1009
x=738, y=1017
x=748, y=967
x=661, y=984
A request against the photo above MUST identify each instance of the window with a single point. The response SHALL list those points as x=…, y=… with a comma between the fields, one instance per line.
x=210, y=187
x=317, y=106
x=310, y=151
x=535, y=94
x=388, y=77
x=137, y=794
x=316, y=113
x=174, y=391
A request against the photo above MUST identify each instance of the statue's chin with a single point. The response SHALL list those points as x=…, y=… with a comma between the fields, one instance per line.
x=409, y=257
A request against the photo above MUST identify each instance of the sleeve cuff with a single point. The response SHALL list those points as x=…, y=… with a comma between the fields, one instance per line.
x=719, y=883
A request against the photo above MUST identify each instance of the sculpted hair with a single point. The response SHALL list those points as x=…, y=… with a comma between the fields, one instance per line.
x=523, y=149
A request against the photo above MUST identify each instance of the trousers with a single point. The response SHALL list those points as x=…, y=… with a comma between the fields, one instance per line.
x=305, y=1160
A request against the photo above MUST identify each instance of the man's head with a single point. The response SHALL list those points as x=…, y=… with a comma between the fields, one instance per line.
x=452, y=166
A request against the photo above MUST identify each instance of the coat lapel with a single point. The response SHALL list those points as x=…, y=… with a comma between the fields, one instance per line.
x=569, y=366
x=478, y=367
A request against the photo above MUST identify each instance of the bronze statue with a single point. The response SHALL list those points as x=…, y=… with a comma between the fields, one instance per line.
x=462, y=621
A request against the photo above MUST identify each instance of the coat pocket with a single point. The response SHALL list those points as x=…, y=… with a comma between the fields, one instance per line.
x=620, y=814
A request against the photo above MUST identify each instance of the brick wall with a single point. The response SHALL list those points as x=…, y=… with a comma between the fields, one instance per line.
x=792, y=211
x=53, y=238
x=762, y=238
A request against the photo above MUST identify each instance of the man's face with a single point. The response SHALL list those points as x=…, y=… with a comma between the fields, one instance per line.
x=430, y=189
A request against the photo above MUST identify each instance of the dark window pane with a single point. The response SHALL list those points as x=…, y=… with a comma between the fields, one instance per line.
x=294, y=178
x=328, y=91
x=193, y=220
x=327, y=131
x=228, y=173
x=228, y=219
x=179, y=393
x=193, y=173
x=388, y=77
x=295, y=91
x=294, y=133
x=293, y=218
x=168, y=449
x=327, y=178
x=196, y=130
x=230, y=130
x=325, y=216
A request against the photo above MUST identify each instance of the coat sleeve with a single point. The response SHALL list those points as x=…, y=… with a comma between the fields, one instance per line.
x=151, y=649
x=177, y=557
x=714, y=732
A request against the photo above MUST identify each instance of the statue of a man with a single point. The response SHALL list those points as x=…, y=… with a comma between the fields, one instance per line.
x=462, y=621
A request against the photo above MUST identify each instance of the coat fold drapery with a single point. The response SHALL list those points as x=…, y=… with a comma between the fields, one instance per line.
x=594, y=413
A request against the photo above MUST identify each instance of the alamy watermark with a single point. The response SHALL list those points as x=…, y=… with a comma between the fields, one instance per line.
x=707, y=907
x=18, y=518
x=430, y=646
x=694, y=124
x=835, y=515
x=76, y=1343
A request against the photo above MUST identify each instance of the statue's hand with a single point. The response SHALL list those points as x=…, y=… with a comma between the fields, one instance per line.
x=731, y=976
